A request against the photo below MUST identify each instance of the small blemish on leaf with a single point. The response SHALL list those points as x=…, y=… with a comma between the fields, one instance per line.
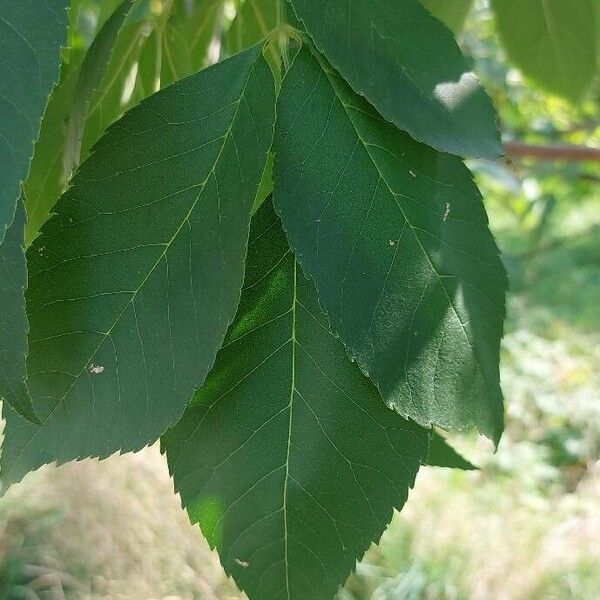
x=96, y=369
x=447, y=212
x=242, y=563
x=413, y=174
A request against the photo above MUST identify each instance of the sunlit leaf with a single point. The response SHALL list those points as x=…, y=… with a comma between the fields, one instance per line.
x=287, y=457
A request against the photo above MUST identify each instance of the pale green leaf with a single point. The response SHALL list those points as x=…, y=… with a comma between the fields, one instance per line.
x=120, y=88
x=46, y=182
x=31, y=36
x=396, y=237
x=451, y=12
x=90, y=75
x=408, y=65
x=136, y=278
x=14, y=327
x=254, y=21
x=287, y=457
x=551, y=41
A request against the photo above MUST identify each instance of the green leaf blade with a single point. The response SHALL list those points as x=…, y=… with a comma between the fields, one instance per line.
x=136, y=278
x=552, y=41
x=395, y=237
x=31, y=36
x=287, y=458
x=14, y=326
x=407, y=64
x=451, y=12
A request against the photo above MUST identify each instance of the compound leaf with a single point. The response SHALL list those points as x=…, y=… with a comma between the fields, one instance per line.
x=551, y=41
x=31, y=36
x=137, y=276
x=287, y=457
x=407, y=64
x=396, y=238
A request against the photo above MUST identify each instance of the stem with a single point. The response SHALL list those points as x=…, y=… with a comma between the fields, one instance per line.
x=282, y=37
x=553, y=153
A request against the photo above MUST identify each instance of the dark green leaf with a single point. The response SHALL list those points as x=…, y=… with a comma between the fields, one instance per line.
x=13, y=324
x=441, y=454
x=407, y=64
x=451, y=12
x=135, y=280
x=551, y=41
x=31, y=35
x=395, y=236
x=287, y=457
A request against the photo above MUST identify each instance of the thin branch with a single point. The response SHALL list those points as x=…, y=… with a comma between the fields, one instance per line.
x=552, y=153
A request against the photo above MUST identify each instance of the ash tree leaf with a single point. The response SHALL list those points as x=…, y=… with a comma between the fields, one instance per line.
x=451, y=12
x=287, y=457
x=396, y=238
x=408, y=65
x=120, y=88
x=31, y=36
x=553, y=42
x=14, y=327
x=90, y=75
x=137, y=276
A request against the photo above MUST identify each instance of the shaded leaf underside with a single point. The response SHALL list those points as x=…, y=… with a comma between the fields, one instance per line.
x=287, y=457
x=135, y=280
x=395, y=237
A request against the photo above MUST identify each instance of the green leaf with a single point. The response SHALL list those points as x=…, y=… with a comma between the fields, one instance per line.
x=441, y=454
x=90, y=75
x=407, y=64
x=13, y=325
x=136, y=278
x=31, y=35
x=45, y=182
x=451, y=12
x=287, y=457
x=254, y=21
x=395, y=236
x=120, y=88
x=552, y=41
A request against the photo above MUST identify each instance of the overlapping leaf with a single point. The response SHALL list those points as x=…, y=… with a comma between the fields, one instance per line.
x=409, y=67
x=552, y=41
x=13, y=329
x=395, y=236
x=287, y=457
x=31, y=35
x=135, y=280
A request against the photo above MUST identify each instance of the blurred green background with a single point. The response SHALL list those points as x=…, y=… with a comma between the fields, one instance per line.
x=525, y=526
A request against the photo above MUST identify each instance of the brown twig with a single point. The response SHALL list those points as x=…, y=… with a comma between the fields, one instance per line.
x=552, y=153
